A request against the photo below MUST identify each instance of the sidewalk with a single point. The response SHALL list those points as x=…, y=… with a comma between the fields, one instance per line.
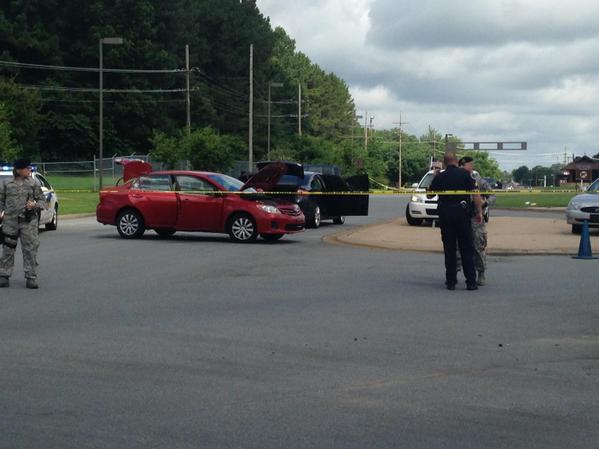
x=506, y=236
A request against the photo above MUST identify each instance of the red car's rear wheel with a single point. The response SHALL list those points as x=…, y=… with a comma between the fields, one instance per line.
x=130, y=224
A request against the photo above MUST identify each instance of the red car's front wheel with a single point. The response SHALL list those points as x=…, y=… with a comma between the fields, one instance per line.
x=242, y=228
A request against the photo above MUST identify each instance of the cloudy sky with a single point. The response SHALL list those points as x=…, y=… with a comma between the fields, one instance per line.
x=483, y=70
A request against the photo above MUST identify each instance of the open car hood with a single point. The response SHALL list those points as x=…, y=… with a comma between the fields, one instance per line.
x=134, y=168
x=270, y=173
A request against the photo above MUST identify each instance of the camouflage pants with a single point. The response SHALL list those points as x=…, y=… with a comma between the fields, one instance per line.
x=28, y=234
x=479, y=236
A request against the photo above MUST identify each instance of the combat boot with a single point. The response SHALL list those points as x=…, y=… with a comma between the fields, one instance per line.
x=481, y=278
x=31, y=283
x=4, y=282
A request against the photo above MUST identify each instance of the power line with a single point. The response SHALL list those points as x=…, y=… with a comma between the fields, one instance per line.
x=53, y=100
x=94, y=90
x=23, y=65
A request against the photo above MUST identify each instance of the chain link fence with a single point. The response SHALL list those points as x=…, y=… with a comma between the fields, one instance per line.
x=84, y=175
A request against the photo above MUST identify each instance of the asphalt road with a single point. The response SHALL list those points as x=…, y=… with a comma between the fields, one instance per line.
x=196, y=342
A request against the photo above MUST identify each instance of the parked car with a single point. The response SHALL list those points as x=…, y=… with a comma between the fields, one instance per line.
x=171, y=201
x=49, y=216
x=423, y=206
x=494, y=184
x=316, y=194
x=584, y=207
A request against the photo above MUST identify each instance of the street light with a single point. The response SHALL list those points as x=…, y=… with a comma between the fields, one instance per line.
x=107, y=41
x=447, y=136
x=356, y=118
x=270, y=85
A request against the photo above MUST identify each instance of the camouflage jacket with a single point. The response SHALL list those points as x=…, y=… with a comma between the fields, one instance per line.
x=14, y=194
x=482, y=186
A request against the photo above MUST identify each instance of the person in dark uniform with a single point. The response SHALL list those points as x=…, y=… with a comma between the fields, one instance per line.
x=455, y=214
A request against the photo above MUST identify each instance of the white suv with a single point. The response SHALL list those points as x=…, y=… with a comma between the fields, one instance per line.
x=49, y=216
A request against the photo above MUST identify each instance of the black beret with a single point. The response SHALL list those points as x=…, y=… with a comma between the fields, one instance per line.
x=21, y=163
x=465, y=160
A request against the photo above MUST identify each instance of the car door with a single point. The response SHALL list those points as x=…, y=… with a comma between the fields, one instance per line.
x=347, y=203
x=154, y=197
x=200, y=204
x=329, y=204
x=47, y=214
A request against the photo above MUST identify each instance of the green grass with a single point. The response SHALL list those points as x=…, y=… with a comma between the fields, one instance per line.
x=77, y=203
x=85, y=202
x=78, y=182
x=545, y=199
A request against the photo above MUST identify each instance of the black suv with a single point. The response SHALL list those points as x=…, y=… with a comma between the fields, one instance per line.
x=321, y=201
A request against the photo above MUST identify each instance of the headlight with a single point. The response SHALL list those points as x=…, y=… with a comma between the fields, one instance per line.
x=574, y=206
x=269, y=209
x=417, y=199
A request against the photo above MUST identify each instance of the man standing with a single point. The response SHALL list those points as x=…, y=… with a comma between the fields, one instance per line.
x=455, y=217
x=479, y=229
x=21, y=199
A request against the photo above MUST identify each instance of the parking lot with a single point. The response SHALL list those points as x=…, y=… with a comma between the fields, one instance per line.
x=197, y=342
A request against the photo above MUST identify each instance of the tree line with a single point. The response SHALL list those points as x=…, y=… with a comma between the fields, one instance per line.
x=51, y=113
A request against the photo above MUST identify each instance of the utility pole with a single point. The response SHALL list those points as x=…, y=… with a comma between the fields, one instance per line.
x=108, y=41
x=251, y=123
x=188, y=90
x=270, y=86
x=366, y=131
x=299, y=109
x=400, y=123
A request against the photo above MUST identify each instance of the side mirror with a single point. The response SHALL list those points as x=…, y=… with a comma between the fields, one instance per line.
x=415, y=185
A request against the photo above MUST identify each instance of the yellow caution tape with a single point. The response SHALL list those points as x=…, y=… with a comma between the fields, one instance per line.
x=369, y=192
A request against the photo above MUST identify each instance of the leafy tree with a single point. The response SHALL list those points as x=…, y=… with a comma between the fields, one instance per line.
x=9, y=150
x=207, y=150
x=167, y=149
x=487, y=167
x=521, y=174
x=22, y=114
x=203, y=148
x=325, y=97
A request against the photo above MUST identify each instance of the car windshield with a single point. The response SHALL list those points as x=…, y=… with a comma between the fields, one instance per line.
x=426, y=181
x=287, y=180
x=594, y=187
x=228, y=182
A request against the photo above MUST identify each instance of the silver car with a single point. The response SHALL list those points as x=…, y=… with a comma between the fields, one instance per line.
x=584, y=207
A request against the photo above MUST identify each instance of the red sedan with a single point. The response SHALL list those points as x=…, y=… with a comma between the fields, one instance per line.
x=170, y=201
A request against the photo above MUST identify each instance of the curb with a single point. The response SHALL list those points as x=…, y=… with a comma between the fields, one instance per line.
x=343, y=238
x=73, y=216
x=532, y=209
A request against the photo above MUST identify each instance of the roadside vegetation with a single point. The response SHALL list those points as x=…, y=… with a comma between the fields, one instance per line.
x=547, y=198
x=52, y=114
x=77, y=202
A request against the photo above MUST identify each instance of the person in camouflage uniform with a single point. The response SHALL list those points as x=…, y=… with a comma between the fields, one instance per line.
x=479, y=230
x=21, y=200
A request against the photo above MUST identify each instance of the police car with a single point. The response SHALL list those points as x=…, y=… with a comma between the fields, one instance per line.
x=49, y=216
x=423, y=207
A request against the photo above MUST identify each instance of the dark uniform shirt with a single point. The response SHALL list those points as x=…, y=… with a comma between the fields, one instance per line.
x=453, y=178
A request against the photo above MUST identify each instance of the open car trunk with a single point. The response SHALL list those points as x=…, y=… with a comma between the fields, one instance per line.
x=134, y=168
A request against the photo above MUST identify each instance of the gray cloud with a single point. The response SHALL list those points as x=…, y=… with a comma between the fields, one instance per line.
x=482, y=70
x=441, y=24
